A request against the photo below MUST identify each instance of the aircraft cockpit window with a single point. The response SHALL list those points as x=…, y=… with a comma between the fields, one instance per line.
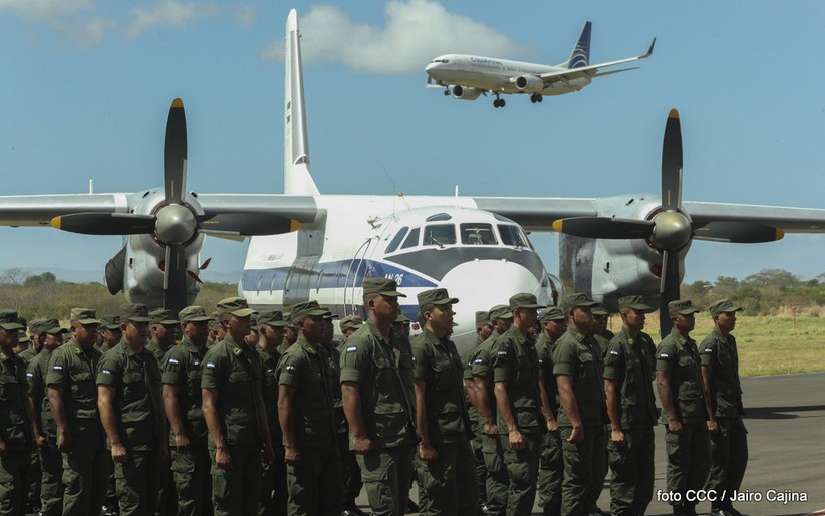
x=396, y=240
x=439, y=217
x=477, y=234
x=412, y=238
x=511, y=235
x=439, y=234
x=445, y=61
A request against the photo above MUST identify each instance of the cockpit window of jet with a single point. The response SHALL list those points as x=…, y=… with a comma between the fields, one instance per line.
x=466, y=77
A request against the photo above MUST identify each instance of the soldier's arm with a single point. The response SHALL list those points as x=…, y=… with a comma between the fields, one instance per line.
x=613, y=370
x=210, y=414
x=665, y=356
x=54, y=391
x=286, y=397
x=351, y=400
x=483, y=398
x=501, y=376
x=422, y=376
x=34, y=421
x=706, y=357
x=171, y=406
x=35, y=382
x=105, y=405
x=354, y=364
x=564, y=358
x=549, y=418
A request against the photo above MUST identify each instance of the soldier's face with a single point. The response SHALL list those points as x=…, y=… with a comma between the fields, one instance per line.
x=528, y=316
x=111, y=337
x=634, y=319
x=385, y=307
x=239, y=325
x=582, y=318
x=273, y=334
x=8, y=338
x=554, y=329
x=136, y=332
x=53, y=341
x=313, y=328
x=163, y=333
x=441, y=318
x=252, y=337
x=684, y=323
x=348, y=332
x=726, y=321
x=484, y=331
x=291, y=334
x=600, y=322
x=197, y=332
x=85, y=334
x=503, y=325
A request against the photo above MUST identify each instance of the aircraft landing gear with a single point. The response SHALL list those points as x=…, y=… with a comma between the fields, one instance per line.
x=535, y=97
x=447, y=92
x=499, y=102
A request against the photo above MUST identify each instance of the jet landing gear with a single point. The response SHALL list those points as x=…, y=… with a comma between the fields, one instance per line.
x=535, y=97
x=498, y=102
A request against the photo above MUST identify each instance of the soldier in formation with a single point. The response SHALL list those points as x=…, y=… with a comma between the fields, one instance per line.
x=287, y=420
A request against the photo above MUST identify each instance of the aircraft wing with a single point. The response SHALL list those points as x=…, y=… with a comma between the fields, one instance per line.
x=710, y=215
x=38, y=210
x=593, y=70
x=225, y=214
x=536, y=213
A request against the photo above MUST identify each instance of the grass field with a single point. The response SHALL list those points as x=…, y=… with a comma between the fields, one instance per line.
x=768, y=345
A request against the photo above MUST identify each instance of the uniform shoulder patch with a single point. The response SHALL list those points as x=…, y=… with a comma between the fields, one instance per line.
x=478, y=361
x=210, y=365
x=57, y=368
x=614, y=352
x=290, y=368
x=501, y=353
x=30, y=375
x=350, y=349
x=663, y=355
x=709, y=350
x=105, y=371
x=174, y=361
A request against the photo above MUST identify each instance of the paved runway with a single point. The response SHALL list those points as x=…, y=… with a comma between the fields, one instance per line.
x=786, y=423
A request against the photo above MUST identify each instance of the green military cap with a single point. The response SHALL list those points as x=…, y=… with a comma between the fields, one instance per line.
x=162, y=316
x=8, y=320
x=524, y=300
x=682, y=307
x=436, y=296
x=23, y=337
x=272, y=318
x=307, y=308
x=236, y=306
x=194, y=313
x=401, y=318
x=553, y=313
x=482, y=318
x=383, y=286
x=22, y=321
x=350, y=321
x=110, y=322
x=576, y=300
x=38, y=325
x=635, y=303
x=329, y=315
x=52, y=327
x=502, y=312
x=723, y=305
x=134, y=312
x=599, y=309
x=84, y=316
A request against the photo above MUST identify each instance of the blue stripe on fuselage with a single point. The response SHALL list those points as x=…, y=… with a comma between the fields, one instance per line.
x=336, y=274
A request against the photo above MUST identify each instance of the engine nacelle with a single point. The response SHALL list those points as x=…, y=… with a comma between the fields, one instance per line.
x=465, y=92
x=528, y=83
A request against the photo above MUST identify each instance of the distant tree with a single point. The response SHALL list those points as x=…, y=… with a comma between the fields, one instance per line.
x=45, y=278
x=13, y=276
x=776, y=278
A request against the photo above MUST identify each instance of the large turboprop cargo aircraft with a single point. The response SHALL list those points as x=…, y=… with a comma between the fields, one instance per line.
x=307, y=245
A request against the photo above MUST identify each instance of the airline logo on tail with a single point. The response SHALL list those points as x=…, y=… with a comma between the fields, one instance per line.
x=581, y=54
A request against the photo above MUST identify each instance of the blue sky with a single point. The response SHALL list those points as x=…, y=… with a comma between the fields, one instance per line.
x=87, y=83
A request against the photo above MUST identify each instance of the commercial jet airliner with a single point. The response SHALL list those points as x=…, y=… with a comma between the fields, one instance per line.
x=466, y=77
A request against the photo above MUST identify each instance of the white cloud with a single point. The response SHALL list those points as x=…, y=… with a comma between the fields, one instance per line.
x=173, y=13
x=414, y=33
x=87, y=32
x=246, y=14
x=45, y=8
x=64, y=16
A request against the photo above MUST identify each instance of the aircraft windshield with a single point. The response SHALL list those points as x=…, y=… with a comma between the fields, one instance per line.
x=396, y=240
x=412, y=239
x=441, y=61
x=477, y=234
x=439, y=234
x=510, y=235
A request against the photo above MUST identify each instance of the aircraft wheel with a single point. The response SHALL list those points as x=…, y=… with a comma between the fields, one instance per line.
x=496, y=103
x=539, y=98
x=502, y=102
x=446, y=93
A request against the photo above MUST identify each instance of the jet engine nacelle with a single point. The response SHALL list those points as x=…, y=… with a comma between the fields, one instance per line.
x=528, y=83
x=465, y=92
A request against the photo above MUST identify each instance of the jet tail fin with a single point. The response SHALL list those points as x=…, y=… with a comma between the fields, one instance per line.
x=297, y=178
x=580, y=56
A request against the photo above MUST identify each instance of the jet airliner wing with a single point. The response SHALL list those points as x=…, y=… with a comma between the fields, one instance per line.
x=593, y=70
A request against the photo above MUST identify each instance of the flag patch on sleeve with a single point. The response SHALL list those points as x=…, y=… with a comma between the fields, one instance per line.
x=174, y=361
x=614, y=352
x=663, y=355
x=57, y=368
x=210, y=365
x=350, y=349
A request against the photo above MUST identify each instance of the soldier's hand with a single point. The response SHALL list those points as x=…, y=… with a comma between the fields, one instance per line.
x=2, y=448
x=163, y=453
x=427, y=452
x=713, y=425
x=576, y=435
x=181, y=440
x=362, y=445
x=222, y=458
x=118, y=453
x=490, y=429
x=292, y=454
x=39, y=441
x=64, y=442
x=617, y=436
x=516, y=439
x=674, y=426
x=552, y=425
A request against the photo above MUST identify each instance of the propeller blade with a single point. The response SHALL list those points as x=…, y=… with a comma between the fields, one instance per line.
x=205, y=264
x=105, y=223
x=669, y=291
x=194, y=276
x=738, y=233
x=247, y=224
x=672, y=163
x=604, y=227
x=175, y=152
x=174, y=278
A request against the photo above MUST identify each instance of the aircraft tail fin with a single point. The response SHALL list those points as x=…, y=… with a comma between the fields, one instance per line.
x=581, y=52
x=297, y=178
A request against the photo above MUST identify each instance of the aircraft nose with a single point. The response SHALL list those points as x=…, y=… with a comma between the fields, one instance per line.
x=479, y=285
x=430, y=67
